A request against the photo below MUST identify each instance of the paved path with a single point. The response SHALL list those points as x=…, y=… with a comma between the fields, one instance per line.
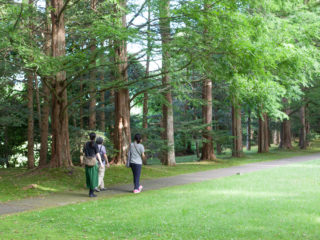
x=64, y=198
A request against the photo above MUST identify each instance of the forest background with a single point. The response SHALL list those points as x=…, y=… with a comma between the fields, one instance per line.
x=200, y=77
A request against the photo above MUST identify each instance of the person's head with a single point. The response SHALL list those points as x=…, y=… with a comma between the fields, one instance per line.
x=137, y=138
x=92, y=137
x=99, y=140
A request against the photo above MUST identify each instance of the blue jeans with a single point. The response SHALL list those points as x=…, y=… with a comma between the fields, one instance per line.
x=136, y=170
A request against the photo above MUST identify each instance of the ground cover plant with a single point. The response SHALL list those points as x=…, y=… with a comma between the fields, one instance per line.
x=16, y=183
x=279, y=203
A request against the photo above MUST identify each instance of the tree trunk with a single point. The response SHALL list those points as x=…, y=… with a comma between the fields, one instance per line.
x=285, y=142
x=93, y=81
x=31, y=163
x=236, y=131
x=122, y=102
x=249, y=131
x=145, y=95
x=46, y=92
x=167, y=109
x=263, y=134
x=102, y=111
x=207, y=146
x=303, y=131
x=60, y=132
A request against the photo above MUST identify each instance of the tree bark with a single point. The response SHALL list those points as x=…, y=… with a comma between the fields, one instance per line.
x=167, y=109
x=145, y=95
x=207, y=145
x=46, y=93
x=236, y=130
x=285, y=141
x=249, y=131
x=263, y=134
x=93, y=81
x=103, y=105
x=31, y=162
x=303, y=130
x=60, y=147
x=122, y=102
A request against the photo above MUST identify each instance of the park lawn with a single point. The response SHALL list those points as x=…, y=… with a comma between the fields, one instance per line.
x=279, y=203
x=14, y=182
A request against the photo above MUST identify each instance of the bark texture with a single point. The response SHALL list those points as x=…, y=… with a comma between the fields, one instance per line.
x=168, y=156
x=30, y=78
x=303, y=129
x=207, y=145
x=263, y=134
x=249, y=131
x=46, y=97
x=60, y=148
x=236, y=131
x=122, y=136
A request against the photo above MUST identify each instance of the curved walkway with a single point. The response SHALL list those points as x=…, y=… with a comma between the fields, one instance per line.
x=64, y=198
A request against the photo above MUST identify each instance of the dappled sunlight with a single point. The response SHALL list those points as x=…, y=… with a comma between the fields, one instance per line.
x=47, y=189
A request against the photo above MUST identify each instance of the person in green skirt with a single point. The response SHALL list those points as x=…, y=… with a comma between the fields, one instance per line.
x=90, y=149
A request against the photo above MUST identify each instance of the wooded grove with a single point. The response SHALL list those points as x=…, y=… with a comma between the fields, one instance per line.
x=192, y=76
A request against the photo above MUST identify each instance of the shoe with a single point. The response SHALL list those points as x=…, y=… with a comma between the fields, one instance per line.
x=92, y=195
x=136, y=191
x=96, y=190
x=103, y=189
x=140, y=188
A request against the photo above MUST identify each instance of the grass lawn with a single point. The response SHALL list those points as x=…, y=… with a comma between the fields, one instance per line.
x=278, y=203
x=13, y=181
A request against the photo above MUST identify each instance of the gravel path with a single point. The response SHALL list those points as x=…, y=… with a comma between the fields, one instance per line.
x=64, y=198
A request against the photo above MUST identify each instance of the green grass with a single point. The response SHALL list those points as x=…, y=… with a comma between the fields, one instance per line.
x=12, y=181
x=279, y=203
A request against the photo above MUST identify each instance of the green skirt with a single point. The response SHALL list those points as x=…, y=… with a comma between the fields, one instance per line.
x=92, y=176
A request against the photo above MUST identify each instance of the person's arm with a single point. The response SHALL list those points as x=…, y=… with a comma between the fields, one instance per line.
x=99, y=158
x=107, y=161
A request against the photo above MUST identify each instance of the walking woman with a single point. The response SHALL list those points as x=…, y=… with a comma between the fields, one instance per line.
x=137, y=154
x=90, y=149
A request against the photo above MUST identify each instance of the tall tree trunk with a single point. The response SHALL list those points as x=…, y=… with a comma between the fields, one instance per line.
x=167, y=109
x=217, y=127
x=60, y=147
x=103, y=105
x=93, y=81
x=236, y=130
x=145, y=95
x=81, y=103
x=207, y=145
x=122, y=100
x=263, y=134
x=30, y=78
x=46, y=92
x=285, y=141
x=303, y=130
x=249, y=131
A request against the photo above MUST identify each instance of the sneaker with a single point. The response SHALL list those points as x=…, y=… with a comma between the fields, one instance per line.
x=92, y=195
x=103, y=189
x=140, y=188
x=136, y=191
x=96, y=190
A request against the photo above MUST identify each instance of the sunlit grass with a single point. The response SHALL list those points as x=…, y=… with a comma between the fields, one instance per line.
x=12, y=181
x=280, y=203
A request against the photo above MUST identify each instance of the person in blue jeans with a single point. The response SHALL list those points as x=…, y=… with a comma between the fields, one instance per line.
x=137, y=154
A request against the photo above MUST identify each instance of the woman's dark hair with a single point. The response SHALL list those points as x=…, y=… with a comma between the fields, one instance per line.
x=99, y=140
x=137, y=138
x=92, y=138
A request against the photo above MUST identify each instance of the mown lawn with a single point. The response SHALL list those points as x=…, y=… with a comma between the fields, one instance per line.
x=279, y=203
x=14, y=181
